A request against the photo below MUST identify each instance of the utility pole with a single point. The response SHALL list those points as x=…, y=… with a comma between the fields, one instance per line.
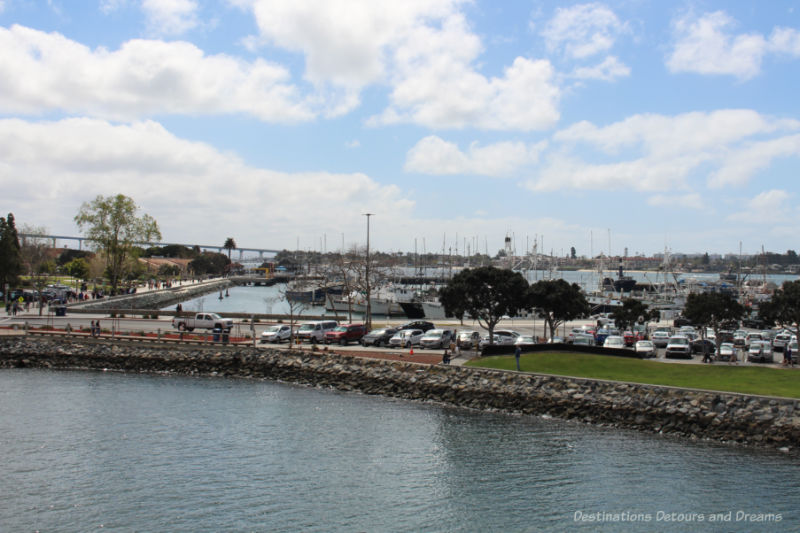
x=368, y=317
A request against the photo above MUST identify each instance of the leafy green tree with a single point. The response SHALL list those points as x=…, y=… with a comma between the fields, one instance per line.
x=36, y=257
x=783, y=309
x=229, y=245
x=168, y=271
x=68, y=255
x=209, y=263
x=78, y=268
x=112, y=224
x=557, y=301
x=10, y=256
x=712, y=310
x=633, y=311
x=487, y=294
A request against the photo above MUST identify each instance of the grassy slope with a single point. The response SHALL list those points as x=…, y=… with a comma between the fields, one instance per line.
x=717, y=376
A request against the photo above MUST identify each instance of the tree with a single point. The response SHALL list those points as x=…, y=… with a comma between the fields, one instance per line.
x=712, y=310
x=783, y=308
x=557, y=301
x=486, y=293
x=35, y=253
x=10, y=257
x=209, y=263
x=111, y=223
x=631, y=312
x=78, y=268
x=229, y=245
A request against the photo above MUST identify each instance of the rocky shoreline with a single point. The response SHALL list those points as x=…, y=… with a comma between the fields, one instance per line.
x=696, y=414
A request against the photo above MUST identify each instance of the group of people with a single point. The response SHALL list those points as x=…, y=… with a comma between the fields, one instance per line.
x=95, y=328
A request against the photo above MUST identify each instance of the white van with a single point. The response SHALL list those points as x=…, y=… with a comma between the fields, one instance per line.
x=315, y=331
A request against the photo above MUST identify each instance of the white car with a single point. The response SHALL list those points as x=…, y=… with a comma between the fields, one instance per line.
x=277, y=333
x=614, y=341
x=727, y=352
x=525, y=339
x=646, y=348
x=503, y=340
x=405, y=338
x=660, y=338
x=759, y=351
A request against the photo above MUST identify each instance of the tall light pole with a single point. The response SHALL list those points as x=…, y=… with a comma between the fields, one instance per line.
x=368, y=316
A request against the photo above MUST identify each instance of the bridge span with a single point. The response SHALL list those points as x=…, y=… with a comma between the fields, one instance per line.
x=55, y=238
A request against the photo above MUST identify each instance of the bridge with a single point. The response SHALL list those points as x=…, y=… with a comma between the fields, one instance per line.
x=55, y=238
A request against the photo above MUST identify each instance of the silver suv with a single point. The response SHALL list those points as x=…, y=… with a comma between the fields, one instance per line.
x=679, y=346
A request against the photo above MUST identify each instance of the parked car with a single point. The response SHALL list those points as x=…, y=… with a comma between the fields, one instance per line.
x=583, y=340
x=759, y=351
x=436, y=338
x=345, y=333
x=660, y=338
x=315, y=331
x=629, y=338
x=511, y=335
x=738, y=337
x=703, y=346
x=424, y=325
x=202, y=321
x=681, y=321
x=753, y=336
x=727, y=352
x=468, y=340
x=781, y=340
x=645, y=349
x=525, y=339
x=378, y=337
x=679, y=347
x=614, y=341
x=600, y=336
x=277, y=333
x=503, y=340
x=406, y=338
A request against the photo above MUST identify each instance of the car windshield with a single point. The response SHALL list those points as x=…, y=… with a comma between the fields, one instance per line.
x=679, y=340
x=273, y=329
x=307, y=327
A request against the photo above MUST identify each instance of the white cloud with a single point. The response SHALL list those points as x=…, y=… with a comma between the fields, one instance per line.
x=432, y=155
x=706, y=45
x=608, y=70
x=170, y=17
x=767, y=207
x=785, y=41
x=187, y=186
x=46, y=71
x=423, y=49
x=583, y=30
x=658, y=153
x=740, y=166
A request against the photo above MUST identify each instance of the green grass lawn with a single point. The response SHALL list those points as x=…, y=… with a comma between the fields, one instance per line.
x=718, y=376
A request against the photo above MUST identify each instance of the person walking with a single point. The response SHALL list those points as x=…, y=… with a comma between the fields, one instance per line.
x=517, y=353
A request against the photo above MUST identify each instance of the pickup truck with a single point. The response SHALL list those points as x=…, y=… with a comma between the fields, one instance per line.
x=202, y=321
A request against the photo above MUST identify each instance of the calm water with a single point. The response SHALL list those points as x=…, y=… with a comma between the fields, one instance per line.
x=84, y=451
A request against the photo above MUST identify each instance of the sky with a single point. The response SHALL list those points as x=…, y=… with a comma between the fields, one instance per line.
x=633, y=125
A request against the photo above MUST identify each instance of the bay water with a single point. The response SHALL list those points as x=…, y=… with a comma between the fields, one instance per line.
x=85, y=451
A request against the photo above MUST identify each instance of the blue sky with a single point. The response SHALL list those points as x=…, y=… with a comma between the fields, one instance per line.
x=633, y=124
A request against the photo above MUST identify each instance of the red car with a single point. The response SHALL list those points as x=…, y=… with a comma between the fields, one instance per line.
x=629, y=337
x=346, y=333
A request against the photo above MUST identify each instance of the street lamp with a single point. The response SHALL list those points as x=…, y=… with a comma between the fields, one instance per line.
x=368, y=315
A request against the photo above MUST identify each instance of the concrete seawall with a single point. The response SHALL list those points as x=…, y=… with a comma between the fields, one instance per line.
x=765, y=421
x=152, y=299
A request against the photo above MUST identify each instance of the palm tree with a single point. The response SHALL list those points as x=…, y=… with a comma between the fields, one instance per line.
x=229, y=245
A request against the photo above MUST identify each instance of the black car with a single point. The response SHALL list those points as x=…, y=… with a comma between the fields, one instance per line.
x=681, y=321
x=697, y=346
x=424, y=325
x=378, y=337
